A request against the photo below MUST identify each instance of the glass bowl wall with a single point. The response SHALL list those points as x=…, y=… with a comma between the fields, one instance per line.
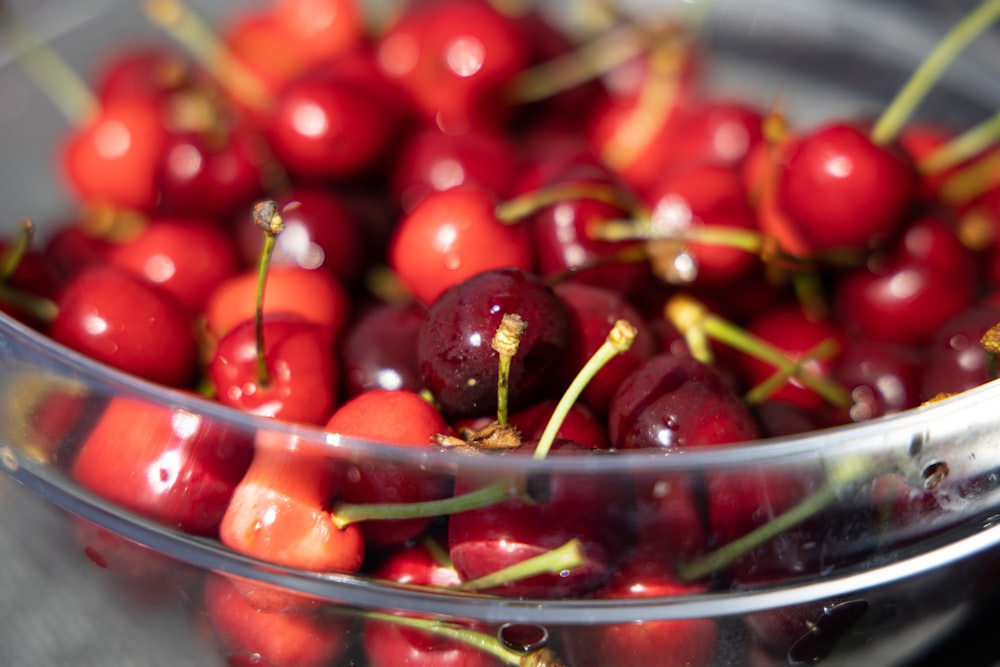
x=877, y=593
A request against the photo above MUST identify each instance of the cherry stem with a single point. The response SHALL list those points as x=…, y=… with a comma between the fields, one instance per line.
x=11, y=259
x=646, y=229
x=67, y=89
x=558, y=560
x=824, y=350
x=45, y=310
x=505, y=343
x=843, y=473
x=991, y=346
x=609, y=50
x=485, y=642
x=437, y=552
x=618, y=341
x=698, y=326
x=198, y=37
x=971, y=181
x=266, y=216
x=344, y=514
x=896, y=115
x=517, y=208
x=967, y=145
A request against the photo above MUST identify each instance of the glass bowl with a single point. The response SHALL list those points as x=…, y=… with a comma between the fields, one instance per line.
x=850, y=579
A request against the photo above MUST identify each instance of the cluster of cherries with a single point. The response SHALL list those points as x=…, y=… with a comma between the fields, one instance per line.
x=474, y=234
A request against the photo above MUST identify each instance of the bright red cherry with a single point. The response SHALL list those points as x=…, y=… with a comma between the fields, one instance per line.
x=453, y=58
x=842, y=190
x=186, y=257
x=171, y=466
x=302, y=371
x=126, y=322
x=451, y=236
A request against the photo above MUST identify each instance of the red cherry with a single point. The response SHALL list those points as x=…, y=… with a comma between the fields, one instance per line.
x=234, y=300
x=113, y=159
x=451, y=236
x=581, y=425
x=402, y=418
x=663, y=643
x=321, y=232
x=718, y=132
x=907, y=293
x=955, y=359
x=323, y=29
x=250, y=637
x=259, y=40
x=325, y=126
x=145, y=72
x=453, y=58
x=485, y=540
x=302, y=370
x=126, y=322
x=279, y=511
x=171, y=466
x=188, y=258
x=842, y=190
x=432, y=160
x=883, y=378
x=70, y=249
x=380, y=350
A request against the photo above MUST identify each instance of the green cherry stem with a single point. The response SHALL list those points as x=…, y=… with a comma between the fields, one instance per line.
x=268, y=218
x=965, y=146
x=618, y=341
x=843, y=473
x=517, y=208
x=645, y=229
x=823, y=350
x=12, y=258
x=895, y=116
x=505, y=344
x=67, y=89
x=698, y=324
x=560, y=559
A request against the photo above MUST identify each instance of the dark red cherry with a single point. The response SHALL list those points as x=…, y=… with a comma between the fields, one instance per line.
x=453, y=58
x=451, y=236
x=143, y=71
x=187, y=257
x=593, y=311
x=581, y=425
x=126, y=322
x=485, y=540
x=908, y=292
x=168, y=465
x=70, y=248
x=882, y=378
x=677, y=401
x=841, y=190
x=380, y=349
x=454, y=347
x=321, y=232
x=955, y=359
x=302, y=378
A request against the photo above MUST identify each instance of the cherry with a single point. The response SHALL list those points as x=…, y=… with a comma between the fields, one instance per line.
x=676, y=401
x=580, y=425
x=321, y=232
x=233, y=301
x=190, y=465
x=485, y=540
x=301, y=371
x=842, y=190
x=70, y=248
x=456, y=360
x=431, y=160
x=955, y=359
x=592, y=311
x=451, y=236
x=249, y=636
x=380, y=349
x=186, y=257
x=124, y=321
x=328, y=127
x=143, y=71
x=323, y=30
x=405, y=419
x=906, y=294
x=662, y=643
x=883, y=378
x=453, y=58
x=112, y=159
x=279, y=511
x=718, y=132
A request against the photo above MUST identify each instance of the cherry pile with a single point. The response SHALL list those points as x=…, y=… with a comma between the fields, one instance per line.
x=309, y=218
